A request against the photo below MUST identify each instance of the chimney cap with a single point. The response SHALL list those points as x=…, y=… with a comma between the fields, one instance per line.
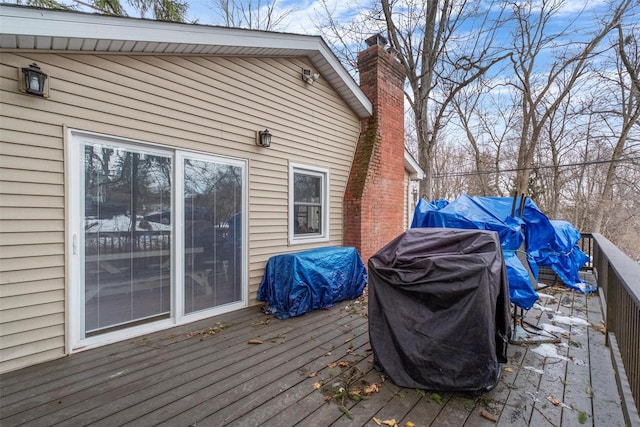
x=376, y=39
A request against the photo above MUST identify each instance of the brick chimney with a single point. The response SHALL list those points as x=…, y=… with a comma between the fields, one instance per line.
x=374, y=198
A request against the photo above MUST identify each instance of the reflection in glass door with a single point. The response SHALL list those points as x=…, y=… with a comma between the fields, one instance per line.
x=127, y=237
x=213, y=244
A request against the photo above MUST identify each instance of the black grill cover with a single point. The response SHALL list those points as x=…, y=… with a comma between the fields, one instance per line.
x=439, y=309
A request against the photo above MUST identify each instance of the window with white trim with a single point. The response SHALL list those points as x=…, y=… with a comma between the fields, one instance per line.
x=309, y=204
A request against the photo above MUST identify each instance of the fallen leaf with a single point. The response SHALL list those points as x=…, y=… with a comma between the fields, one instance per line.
x=600, y=328
x=343, y=364
x=255, y=342
x=486, y=414
x=377, y=421
x=373, y=388
x=553, y=400
x=392, y=423
x=409, y=424
x=312, y=374
x=348, y=340
x=332, y=364
x=508, y=369
x=327, y=398
x=316, y=386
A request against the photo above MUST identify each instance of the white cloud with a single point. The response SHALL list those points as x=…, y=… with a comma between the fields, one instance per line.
x=302, y=20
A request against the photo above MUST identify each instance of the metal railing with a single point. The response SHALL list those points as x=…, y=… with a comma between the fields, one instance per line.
x=586, y=245
x=618, y=278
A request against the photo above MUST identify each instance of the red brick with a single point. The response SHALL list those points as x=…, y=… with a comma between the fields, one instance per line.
x=373, y=200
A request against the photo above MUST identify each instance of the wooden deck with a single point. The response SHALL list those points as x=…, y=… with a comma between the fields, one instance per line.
x=312, y=370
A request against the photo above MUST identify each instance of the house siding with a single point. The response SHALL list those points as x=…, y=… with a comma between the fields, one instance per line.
x=208, y=104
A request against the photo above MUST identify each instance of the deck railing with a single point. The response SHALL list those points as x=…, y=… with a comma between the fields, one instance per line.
x=618, y=279
x=586, y=245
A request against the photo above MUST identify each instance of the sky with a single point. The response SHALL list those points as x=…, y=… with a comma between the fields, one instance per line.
x=300, y=21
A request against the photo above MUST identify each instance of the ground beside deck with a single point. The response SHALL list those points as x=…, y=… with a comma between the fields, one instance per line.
x=313, y=370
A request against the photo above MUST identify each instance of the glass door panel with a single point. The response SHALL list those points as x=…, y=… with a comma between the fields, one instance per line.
x=127, y=237
x=213, y=244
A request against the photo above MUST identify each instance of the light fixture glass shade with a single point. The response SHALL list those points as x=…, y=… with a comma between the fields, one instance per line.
x=263, y=138
x=34, y=80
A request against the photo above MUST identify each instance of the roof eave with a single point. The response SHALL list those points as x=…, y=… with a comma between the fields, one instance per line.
x=412, y=166
x=25, y=28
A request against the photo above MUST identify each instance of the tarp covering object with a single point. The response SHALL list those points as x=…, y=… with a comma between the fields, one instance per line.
x=564, y=257
x=439, y=309
x=545, y=244
x=296, y=283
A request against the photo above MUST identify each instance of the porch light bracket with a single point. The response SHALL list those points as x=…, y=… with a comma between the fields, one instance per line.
x=309, y=76
x=34, y=81
x=263, y=138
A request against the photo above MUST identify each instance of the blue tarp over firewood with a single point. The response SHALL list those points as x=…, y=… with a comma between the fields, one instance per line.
x=299, y=282
x=540, y=241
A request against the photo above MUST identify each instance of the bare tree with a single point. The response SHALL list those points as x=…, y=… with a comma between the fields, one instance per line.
x=346, y=36
x=443, y=46
x=541, y=94
x=628, y=94
x=252, y=14
x=486, y=121
x=161, y=10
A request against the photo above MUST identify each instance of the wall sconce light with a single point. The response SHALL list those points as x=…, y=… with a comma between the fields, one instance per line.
x=309, y=77
x=263, y=138
x=34, y=80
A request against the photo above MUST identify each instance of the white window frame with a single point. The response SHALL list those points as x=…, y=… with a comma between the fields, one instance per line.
x=324, y=199
x=75, y=340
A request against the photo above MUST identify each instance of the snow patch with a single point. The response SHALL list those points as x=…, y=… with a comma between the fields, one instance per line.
x=548, y=350
x=536, y=370
x=571, y=321
x=541, y=308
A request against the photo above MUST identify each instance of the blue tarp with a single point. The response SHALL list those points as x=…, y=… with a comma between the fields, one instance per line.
x=296, y=283
x=547, y=243
x=564, y=257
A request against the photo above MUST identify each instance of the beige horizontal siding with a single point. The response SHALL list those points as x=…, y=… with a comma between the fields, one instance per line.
x=24, y=355
x=206, y=104
x=26, y=201
x=13, y=315
x=22, y=301
x=33, y=226
x=46, y=165
x=36, y=323
x=10, y=239
x=31, y=213
x=18, y=150
x=33, y=287
x=21, y=175
x=21, y=251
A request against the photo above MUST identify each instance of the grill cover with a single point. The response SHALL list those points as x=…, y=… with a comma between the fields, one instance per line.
x=439, y=309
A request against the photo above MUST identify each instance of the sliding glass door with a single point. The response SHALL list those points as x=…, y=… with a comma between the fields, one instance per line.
x=127, y=263
x=213, y=244
x=158, y=236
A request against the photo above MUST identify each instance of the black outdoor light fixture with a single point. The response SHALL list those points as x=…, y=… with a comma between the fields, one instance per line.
x=263, y=138
x=34, y=80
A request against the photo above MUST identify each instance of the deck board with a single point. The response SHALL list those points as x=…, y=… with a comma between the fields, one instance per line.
x=189, y=375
